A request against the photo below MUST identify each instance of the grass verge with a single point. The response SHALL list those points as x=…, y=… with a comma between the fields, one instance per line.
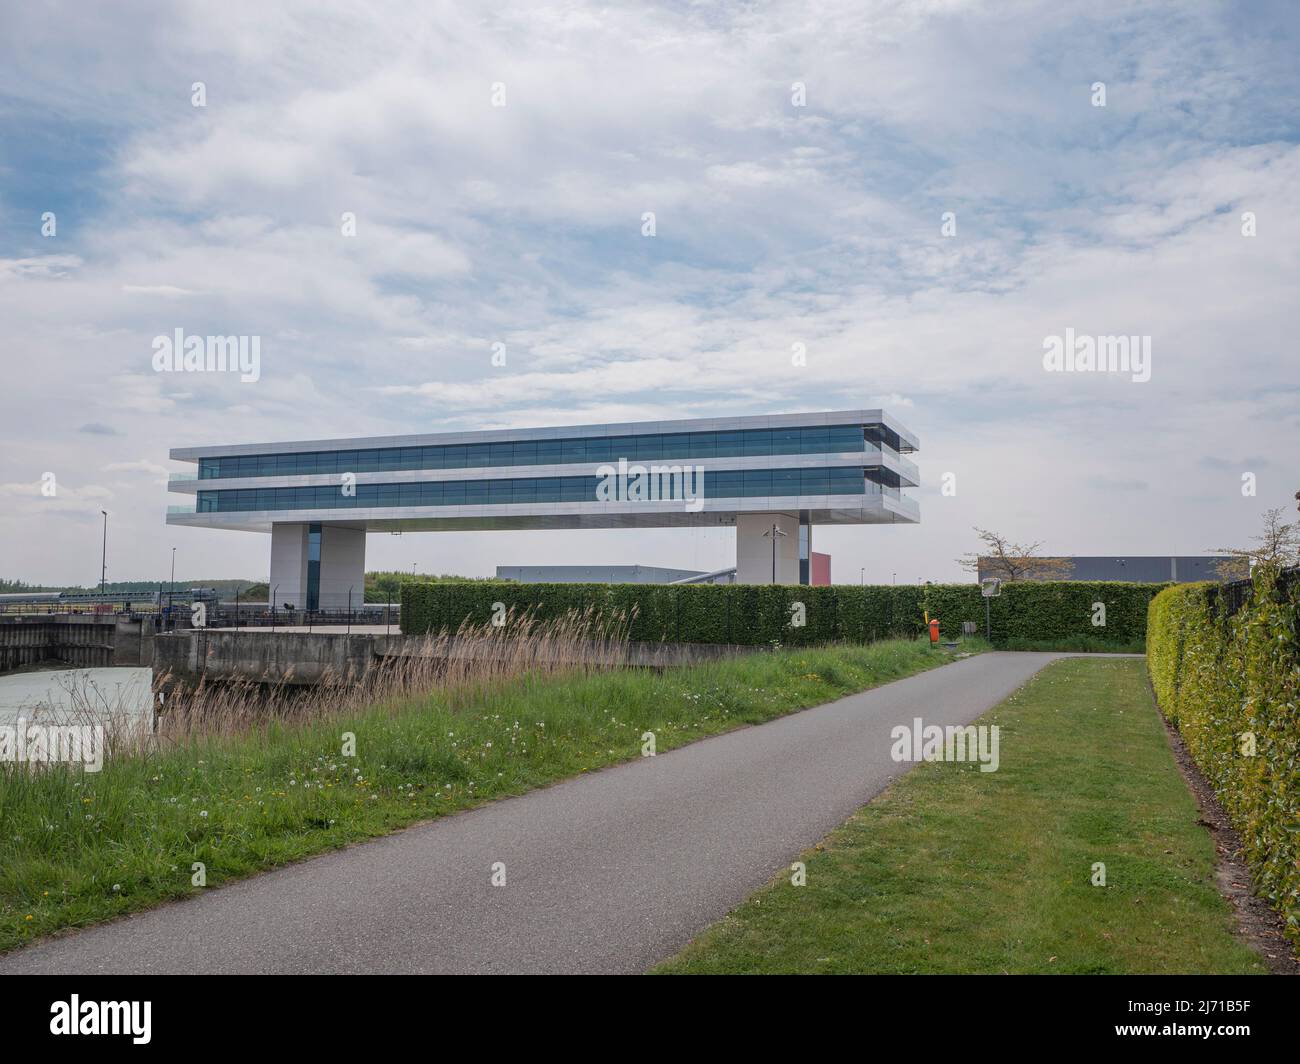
x=954, y=871
x=77, y=848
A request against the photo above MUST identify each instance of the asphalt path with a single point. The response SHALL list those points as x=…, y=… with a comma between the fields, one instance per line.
x=610, y=872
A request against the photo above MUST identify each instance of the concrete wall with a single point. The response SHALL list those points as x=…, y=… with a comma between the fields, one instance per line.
x=754, y=549
x=288, y=580
x=271, y=657
x=309, y=657
x=83, y=640
x=342, y=566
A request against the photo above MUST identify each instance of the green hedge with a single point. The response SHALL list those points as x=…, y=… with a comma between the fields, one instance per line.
x=1218, y=677
x=758, y=614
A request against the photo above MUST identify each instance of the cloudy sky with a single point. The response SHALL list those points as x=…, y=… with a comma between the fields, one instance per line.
x=775, y=224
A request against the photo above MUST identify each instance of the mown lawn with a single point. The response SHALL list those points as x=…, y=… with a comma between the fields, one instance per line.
x=77, y=848
x=954, y=870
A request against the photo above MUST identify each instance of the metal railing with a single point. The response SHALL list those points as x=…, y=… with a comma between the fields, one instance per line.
x=1236, y=594
x=225, y=616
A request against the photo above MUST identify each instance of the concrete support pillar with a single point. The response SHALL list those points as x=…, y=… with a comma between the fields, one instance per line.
x=316, y=565
x=342, y=567
x=754, y=548
x=288, y=581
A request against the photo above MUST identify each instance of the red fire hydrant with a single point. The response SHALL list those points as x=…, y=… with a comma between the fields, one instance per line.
x=934, y=631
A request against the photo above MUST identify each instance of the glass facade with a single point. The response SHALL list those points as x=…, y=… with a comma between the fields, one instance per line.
x=718, y=484
x=313, y=567
x=682, y=446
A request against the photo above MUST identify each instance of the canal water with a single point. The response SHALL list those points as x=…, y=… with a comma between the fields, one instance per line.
x=121, y=693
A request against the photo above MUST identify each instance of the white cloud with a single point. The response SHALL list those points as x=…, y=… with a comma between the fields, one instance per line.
x=776, y=225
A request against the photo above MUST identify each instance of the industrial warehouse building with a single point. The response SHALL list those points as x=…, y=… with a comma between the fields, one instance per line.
x=773, y=478
x=818, y=572
x=1139, y=569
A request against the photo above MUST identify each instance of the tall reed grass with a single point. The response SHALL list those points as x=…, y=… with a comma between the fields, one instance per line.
x=461, y=666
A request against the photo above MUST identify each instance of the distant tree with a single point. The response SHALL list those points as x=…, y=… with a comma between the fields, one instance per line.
x=1014, y=561
x=386, y=585
x=1277, y=544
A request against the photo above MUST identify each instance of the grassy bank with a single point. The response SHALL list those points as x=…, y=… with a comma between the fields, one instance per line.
x=76, y=848
x=954, y=870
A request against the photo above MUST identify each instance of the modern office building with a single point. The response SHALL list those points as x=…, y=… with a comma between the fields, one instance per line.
x=772, y=478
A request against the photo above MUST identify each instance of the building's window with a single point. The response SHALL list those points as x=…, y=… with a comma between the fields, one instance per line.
x=703, y=445
x=601, y=449
x=579, y=450
x=723, y=484
x=730, y=444
x=757, y=442
x=785, y=441
x=814, y=441
x=718, y=484
x=845, y=480
x=785, y=482
x=845, y=438
x=815, y=482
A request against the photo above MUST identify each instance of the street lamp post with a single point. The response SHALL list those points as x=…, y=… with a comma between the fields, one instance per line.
x=103, y=560
x=774, y=533
x=171, y=586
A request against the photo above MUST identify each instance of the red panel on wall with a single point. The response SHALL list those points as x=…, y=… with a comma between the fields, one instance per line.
x=821, y=570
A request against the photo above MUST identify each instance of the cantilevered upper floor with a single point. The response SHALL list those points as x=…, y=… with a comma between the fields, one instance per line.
x=838, y=467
